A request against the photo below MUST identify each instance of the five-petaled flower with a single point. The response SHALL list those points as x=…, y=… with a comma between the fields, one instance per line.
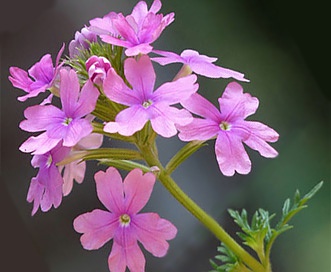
x=136, y=31
x=144, y=104
x=199, y=64
x=40, y=77
x=46, y=188
x=122, y=223
x=230, y=128
x=67, y=124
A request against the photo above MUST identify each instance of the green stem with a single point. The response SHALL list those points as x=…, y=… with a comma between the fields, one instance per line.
x=199, y=213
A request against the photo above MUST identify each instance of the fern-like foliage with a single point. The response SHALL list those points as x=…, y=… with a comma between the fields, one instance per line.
x=258, y=233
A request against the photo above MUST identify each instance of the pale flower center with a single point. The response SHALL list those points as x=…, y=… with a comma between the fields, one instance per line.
x=67, y=121
x=49, y=161
x=147, y=103
x=225, y=126
x=125, y=220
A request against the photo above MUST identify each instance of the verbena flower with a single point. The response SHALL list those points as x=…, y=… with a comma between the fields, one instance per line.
x=122, y=223
x=97, y=68
x=82, y=41
x=199, y=64
x=144, y=104
x=45, y=189
x=40, y=77
x=136, y=31
x=229, y=127
x=67, y=124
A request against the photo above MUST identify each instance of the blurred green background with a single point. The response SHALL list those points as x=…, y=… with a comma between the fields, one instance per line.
x=280, y=47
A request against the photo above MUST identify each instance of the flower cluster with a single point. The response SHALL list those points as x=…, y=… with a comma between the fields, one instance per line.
x=106, y=87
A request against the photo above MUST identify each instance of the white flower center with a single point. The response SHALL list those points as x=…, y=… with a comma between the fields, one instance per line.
x=147, y=103
x=49, y=161
x=225, y=126
x=67, y=121
x=125, y=220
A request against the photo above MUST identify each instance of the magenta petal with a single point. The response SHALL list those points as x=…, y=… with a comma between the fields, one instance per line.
x=138, y=188
x=176, y=91
x=143, y=48
x=201, y=106
x=156, y=6
x=87, y=100
x=125, y=30
x=231, y=155
x=141, y=75
x=131, y=256
x=258, y=138
x=131, y=120
x=153, y=232
x=110, y=189
x=71, y=172
x=117, y=258
x=98, y=227
x=39, y=144
x=76, y=130
x=92, y=141
x=168, y=57
x=235, y=104
x=198, y=129
x=117, y=91
x=69, y=90
x=164, y=127
x=41, y=117
x=43, y=71
x=167, y=118
x=20, y=79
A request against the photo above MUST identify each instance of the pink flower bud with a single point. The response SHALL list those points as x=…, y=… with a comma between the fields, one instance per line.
x=97, y=68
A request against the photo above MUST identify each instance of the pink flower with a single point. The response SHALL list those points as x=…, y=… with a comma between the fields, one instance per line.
x=40, y=76
x=67, y=124
x=122, y=223
x=144, y=104
x=97, y=68
x=82, y=41
x=136, y=31
x=199, y=64
x=230, y=128
x=76, y=169
x=45, y=189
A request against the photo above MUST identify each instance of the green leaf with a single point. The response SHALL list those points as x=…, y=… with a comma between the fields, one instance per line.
x=126, y=165
x=183, y=154
x=102, y=153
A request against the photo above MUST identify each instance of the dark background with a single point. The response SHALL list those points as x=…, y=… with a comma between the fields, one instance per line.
x=282, y=49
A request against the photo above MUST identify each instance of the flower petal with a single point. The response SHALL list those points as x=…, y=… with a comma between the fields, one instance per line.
x=236, y=105
x=201, y=106
x=131, y=256
x=40, y=118
x=231, y=154
x=260, y=134
x=39, y=144
x=110, y=189
x=198, y=129
x=153, y=231
x=87, y=100
x=117, y=91
x=141, y=76
x=128, y=121
x=71, y=172
x=98, y=227
x=76, y=130
x=137, y=190
x=69, y=91
x=176, y=91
